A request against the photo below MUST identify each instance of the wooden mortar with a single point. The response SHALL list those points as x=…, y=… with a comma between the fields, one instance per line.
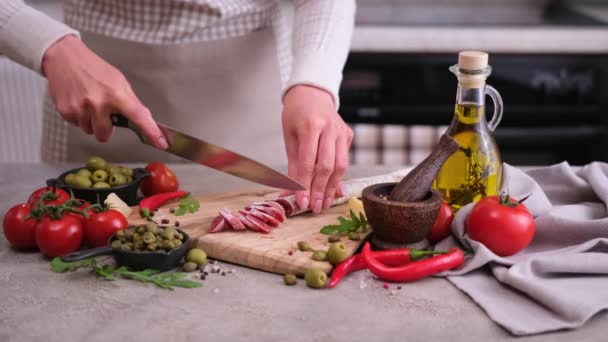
x=398, y=224
x=417, y=183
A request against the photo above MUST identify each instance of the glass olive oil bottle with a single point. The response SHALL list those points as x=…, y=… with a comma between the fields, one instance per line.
x=475, y=170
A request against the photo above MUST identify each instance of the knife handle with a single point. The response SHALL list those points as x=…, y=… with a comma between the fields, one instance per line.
x=119, y=120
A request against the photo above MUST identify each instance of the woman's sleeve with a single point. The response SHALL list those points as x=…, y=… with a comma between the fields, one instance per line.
x=322, y=32
x=26, y=33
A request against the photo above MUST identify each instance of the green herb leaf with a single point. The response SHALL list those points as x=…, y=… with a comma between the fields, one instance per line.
x=60, y=266
x=346, y=226
x=187, y=204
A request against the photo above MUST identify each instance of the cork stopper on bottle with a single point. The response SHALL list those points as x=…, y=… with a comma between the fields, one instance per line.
x=472, y=61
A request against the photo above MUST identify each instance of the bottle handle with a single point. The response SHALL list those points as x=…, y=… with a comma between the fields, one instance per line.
x=497, y=99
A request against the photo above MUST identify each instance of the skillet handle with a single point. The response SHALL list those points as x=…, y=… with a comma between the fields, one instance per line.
x=88, y=253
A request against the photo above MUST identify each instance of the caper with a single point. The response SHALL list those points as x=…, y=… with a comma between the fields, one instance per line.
x=130, y=244
x=167, y=245
x=354, y=236
x=117, y=179
x=290, y=279
x=82, y=182
x=99, y=176
x=84, y=173
x=337, y=253
x=333, y=238
x=137, y=237
x=152, y=247
x=116, y=244
x=319, y=256
x=96, y=163
x=189, y=267
x=315, y=278
x=126, y=171
x=126, y=247
x=120, y=233
x=304, y=246
x=137, y=250
x=129, y=232
x=69, y=179
x=152, y=228
x=149, y=237
x=99, y=185
x=141, y=230
x=197, y=256
x=138, y=244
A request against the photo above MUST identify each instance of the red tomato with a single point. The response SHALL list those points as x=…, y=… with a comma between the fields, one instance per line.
x=60, y=196
x=20, y=232
x=504, y=227
x=82, y=219
x=443, y=222
x=100, y=226
x=57, y=237
x=161, y=179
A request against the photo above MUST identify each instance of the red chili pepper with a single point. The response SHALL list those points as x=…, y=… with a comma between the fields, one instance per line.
x=393, y=257
x=412, y=271
x=154, y=202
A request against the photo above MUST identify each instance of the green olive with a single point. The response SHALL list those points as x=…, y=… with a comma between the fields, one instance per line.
x=304, y=246
x=337, y=253
x=69, y=179
x=315, y=278
x=101, y=185
x=333, y=238
x=96, y=163
x=117, y=179
x=84, y=172
x=197, y=256
x=167, y=245
x=82, y=182
x=126, y=171
x=319, y=256
x=99, y=176
x=290, y=279
x=189, y=267
x=112, y=169
x=129, y=179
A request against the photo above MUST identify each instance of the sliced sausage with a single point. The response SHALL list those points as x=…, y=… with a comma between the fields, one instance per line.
x=234, y=222
x=256, y=224
x=264, y=217
x=217, y=225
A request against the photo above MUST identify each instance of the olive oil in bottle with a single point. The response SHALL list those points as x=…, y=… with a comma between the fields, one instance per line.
x=475, y=170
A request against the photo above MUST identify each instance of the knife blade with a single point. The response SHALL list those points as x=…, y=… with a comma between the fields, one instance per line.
x=213, y=156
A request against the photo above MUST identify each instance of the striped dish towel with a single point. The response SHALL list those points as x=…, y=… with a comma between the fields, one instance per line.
x=393, y=144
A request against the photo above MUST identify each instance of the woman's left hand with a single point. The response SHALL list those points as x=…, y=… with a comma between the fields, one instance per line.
x=317, y=142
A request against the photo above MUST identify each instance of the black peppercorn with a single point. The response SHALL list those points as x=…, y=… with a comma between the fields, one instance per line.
x=164, y=221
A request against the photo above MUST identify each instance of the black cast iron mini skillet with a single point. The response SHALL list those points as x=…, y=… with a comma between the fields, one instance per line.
x=136, y=261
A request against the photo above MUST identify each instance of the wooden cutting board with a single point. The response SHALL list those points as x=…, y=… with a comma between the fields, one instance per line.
x=268, y=252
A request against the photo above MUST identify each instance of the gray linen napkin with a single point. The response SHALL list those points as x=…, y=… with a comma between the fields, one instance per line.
x=561, y=279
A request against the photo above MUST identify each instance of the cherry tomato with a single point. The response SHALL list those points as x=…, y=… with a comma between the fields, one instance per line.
x=443, y=222
x=60, y=196
x=82, y=219
x=503, y=225
x=57, y=237
x=20, y=232
x=161, y=179
x=100, y=226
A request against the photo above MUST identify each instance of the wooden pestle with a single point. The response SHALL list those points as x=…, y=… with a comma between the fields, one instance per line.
x=417, y=184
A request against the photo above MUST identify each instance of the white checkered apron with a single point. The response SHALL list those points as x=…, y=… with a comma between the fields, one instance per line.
x=163, y=23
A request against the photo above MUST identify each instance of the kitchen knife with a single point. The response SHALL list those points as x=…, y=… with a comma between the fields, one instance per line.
x=213, y=156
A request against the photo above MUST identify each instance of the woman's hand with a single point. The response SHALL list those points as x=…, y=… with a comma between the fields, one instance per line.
x=86, y=90
x=317, y=142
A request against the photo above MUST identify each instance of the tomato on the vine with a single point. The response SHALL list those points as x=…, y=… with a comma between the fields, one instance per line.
x=502, y=224
x=101, y=225
x=442, y=226
x=59, y=197
x=19, y=231
x=161, y=179
x=58, y=236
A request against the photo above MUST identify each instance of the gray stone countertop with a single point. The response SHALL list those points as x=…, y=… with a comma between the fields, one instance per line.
x=248, y=305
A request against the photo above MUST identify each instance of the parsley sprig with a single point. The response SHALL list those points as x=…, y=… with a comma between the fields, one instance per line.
x=110, y=272
x=346, y=226
x=187, y=204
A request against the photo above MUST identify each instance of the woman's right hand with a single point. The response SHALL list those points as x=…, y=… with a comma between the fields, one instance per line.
x=86, y=90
